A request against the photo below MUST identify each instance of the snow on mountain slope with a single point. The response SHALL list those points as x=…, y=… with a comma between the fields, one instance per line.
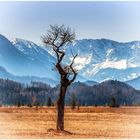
x=98, y=59
x=31, y=49
x=34, y=52
x=80, y=62
x=102, y=59
x=39, y=55
x=10, y=57
x=24, y=58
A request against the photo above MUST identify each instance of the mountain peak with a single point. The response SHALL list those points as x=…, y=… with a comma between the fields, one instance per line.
x=26, y=43
x=3, y=38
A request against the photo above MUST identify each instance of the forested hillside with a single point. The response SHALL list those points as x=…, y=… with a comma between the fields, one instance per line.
x=14, y=93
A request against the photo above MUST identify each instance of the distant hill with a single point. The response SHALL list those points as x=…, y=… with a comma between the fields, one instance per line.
x=90, y=83
x=25, y=79
x=101, y=94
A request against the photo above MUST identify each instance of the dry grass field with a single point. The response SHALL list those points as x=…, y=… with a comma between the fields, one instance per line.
x=88, y=122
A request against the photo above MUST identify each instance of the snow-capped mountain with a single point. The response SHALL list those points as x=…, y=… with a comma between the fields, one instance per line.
x=24, y=58
x=33, y=51
x=10, y=57
x=103, y=59
x=39, y=55
x=98, y=59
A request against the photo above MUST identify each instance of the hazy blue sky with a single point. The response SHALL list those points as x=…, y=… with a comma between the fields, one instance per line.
x=119, y=21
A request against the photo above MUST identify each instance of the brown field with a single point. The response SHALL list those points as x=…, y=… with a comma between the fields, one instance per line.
x=88, y=122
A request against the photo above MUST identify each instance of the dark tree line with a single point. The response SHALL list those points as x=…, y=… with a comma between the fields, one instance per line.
x=109, y=93
x=13, y=93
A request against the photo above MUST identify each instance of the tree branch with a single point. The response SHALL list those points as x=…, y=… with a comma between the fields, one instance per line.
x=60, y=69
x=74, y=72
x=62, y=54
x=57, y=55
x=57, y=37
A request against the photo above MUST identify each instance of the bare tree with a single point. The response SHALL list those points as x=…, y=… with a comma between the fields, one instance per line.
x=57, y=38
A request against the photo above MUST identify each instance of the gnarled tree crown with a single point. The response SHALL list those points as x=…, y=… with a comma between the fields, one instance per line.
x=57, y=37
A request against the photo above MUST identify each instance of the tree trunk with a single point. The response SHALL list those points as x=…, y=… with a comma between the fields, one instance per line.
x=60, y=108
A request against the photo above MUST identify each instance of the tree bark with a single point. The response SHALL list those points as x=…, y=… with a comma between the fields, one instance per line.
x=60, y=108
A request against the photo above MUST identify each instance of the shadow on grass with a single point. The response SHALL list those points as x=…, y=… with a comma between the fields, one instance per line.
x=52, y=131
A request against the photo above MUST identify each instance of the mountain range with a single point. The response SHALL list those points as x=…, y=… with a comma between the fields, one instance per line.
x=25, y=79
x=98, y=60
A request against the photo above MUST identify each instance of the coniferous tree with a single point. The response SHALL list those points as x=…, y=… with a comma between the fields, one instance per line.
x=73, y=101
x=49, y=101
